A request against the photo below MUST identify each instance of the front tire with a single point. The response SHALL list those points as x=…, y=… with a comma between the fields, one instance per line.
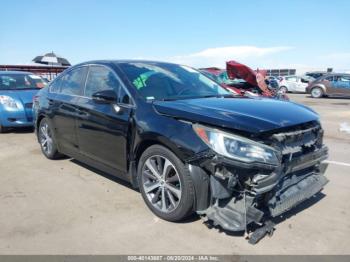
x=283, y=89
x=47, y=139
x=165, y=184
x=317, y=92
x=2, y=129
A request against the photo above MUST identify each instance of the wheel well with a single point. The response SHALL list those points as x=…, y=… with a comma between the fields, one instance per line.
x=319, y=87
x=37, y=124
x=39, y=120
x=138, y=153
x=146, y=144
x=142, y=147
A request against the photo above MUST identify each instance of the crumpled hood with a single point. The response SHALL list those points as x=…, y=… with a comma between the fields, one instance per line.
x=245, y=114
x=241, y=71
x=23, y=96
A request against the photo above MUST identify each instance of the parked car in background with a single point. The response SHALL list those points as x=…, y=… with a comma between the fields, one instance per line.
x=220, y=76
x=17, y=90
x=337, y=85
x=273, y=82
x=294, y=84
x=187, y=143
x=316, y=74
x=242, y=80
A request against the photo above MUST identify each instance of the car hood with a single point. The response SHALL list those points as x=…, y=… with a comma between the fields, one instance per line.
x=24, y=96
x=244, y=114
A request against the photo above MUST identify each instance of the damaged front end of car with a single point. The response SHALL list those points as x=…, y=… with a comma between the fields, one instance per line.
x=252, y=181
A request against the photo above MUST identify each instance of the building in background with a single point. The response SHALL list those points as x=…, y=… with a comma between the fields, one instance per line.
x=281, y=72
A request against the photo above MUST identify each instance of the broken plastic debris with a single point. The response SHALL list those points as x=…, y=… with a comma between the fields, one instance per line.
x=344, y=127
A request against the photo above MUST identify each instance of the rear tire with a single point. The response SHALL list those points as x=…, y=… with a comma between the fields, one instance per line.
x=317, y=92
x=165, y=184
x=47, y=140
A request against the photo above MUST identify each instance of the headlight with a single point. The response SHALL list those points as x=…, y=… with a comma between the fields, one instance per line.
x=236, y=147
x=8, y=101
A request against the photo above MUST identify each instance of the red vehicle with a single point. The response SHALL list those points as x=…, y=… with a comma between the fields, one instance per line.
x=242, y=80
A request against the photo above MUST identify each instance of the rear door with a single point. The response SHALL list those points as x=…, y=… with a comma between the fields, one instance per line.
x=63, y=103
x=103, y=128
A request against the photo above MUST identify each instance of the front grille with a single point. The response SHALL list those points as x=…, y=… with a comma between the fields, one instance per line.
x=298, y=141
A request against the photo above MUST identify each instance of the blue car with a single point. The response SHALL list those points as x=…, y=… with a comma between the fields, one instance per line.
x=17, y=90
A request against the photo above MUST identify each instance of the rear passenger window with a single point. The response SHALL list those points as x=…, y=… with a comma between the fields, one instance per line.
x=330, y=78
x=100, y=79
x=72, y=81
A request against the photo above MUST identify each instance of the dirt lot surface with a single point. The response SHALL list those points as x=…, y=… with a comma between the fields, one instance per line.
x=63, y=207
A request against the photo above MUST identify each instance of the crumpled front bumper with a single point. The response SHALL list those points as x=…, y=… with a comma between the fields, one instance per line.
x=233, y=204
x=294, y=191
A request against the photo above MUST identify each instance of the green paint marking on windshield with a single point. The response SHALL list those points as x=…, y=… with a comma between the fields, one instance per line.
x=140, y=81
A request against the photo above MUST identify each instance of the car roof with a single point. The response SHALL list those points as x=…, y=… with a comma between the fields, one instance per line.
x=316, y=72
x=15, y=73
x=123, y=61
x=336, y=74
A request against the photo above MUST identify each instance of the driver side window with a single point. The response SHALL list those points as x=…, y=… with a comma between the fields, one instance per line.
x=100, y=78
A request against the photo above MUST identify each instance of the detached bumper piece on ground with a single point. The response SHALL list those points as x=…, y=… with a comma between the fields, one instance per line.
x=245, y=196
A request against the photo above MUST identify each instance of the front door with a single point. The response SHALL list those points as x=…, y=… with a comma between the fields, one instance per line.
x=301, y=85
x=291, y=83
x=102, y=128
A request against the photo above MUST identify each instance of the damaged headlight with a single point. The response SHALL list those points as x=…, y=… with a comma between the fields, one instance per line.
x=236, y=147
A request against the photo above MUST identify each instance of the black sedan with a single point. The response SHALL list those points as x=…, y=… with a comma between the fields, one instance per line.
x=187, y=143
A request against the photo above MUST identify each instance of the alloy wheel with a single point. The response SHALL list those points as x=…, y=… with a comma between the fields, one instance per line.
x=45, y=137
x=316, y=92
x=161, y=183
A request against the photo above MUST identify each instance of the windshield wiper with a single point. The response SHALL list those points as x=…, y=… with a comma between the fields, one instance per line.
x=196, y=97
x=220, y=96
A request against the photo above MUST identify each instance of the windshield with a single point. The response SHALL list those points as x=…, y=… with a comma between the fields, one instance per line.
x=162, y=81
x=223, y=77
x=20, y=81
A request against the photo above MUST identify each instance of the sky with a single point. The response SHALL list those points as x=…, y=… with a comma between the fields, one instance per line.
x=199, y=33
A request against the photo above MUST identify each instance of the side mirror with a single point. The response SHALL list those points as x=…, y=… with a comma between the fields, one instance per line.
x=104, y=97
